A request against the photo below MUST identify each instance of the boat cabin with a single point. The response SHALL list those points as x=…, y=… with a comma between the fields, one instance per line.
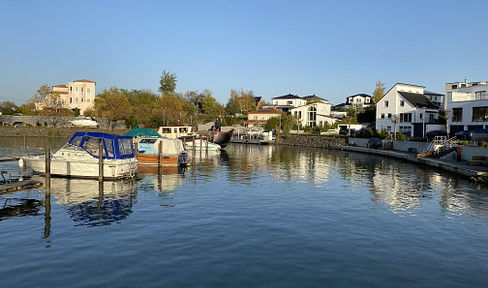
x=176, y=131
x=114, y=146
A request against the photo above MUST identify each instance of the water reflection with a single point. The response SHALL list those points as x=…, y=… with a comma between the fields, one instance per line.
x=89, y=202
x=20, y=207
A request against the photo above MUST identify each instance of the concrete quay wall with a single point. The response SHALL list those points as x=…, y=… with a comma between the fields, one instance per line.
x=312, y=141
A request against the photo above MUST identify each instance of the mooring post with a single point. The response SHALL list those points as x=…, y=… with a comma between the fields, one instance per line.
x=206, y=146
x=47, y=183
x=201, y=145
x=136, y=146
x=100, y=162
x=193, y=139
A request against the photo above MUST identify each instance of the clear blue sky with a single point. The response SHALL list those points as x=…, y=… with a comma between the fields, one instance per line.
x=329, y=48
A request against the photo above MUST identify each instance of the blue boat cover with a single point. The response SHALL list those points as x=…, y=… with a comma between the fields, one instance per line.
x=115, y=146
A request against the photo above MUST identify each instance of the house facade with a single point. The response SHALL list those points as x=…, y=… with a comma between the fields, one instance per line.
x=314, y=114
x=359, y=100
x=287, y=102
x=79, y=94
x=468, y=105
x=410, y=107
x=261, y=116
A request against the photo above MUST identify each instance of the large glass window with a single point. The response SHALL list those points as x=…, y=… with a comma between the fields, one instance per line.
x=480, y=114
x=457, y=114
x=312, y=116
x=406, y=117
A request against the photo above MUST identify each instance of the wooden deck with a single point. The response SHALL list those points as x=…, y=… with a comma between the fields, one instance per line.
x=19, y=185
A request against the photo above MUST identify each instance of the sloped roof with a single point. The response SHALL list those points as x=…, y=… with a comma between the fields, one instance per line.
x=288, y=96
x=360, y=94
x=418, y=100
x=266, y=111
x=85, y=80
x=61, y=86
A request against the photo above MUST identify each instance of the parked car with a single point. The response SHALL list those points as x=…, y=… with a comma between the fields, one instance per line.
x=374, y=143
x=433, y=133
x=463, y=135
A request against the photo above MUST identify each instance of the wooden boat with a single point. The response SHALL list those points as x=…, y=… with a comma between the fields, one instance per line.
x=173, y=151
x=79, y=157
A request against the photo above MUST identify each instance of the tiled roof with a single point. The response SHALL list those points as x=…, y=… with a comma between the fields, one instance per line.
x=85, y=80
x=288, y=96
x=418, y=100
x=61, y=86
x=266, y=111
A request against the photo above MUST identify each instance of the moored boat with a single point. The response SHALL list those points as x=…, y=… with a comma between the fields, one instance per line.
x=202, y=145
x=173, y=152
x=79, y=157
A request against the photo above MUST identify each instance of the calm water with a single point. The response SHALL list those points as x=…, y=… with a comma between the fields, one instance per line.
x=254, y=216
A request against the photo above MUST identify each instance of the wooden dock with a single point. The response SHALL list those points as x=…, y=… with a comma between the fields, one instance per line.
x=18, y=185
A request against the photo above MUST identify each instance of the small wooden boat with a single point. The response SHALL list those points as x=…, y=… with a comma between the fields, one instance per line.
x=173, y=152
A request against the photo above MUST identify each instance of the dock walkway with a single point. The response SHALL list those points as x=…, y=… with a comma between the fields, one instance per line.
x=476, y=173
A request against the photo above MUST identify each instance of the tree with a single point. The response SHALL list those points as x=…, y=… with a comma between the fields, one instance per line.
x=241, y=101
x=8, y=107
x=142, y=102
x=113, y=105
x=168, y=110
x=233, y=106
x=167, y=83
x=395, y=119
x=378, y=92
x=271, y=124
x=211, y=107
x=446, y=114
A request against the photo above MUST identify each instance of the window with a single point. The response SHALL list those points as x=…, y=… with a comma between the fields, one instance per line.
x=262, y=117
x=388, y=128
x=480, y=95
x=382, y=115
x=402, y=103
x=88, y=91
x=457, y=114
x=255, y=117
x=81, y=90
x=480, y=114
x=367, y=100
x=76, y=100
x=289, y=102
x=454, y=87
x=70, y=100
x=76, y=91
x=125, y=146
x=421, y=115
x=389, y=115
x=299, y=114
x=385, y=104
x=405, y=117
x=70, y=90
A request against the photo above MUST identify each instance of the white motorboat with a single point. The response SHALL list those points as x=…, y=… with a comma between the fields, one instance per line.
x=201, y=145
x=79, y=157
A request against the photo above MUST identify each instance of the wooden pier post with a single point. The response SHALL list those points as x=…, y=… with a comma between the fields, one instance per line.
x=100, y=162
x=136, y=149
x=201, y=145
x=206, y=146
x=160, y=157
x=47, y=176
x=193, y=139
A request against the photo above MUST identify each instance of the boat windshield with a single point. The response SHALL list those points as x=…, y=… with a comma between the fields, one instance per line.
x=150, y=141
x=110, y=147
x=91, y=145
x=125, y=146
x=77, y=141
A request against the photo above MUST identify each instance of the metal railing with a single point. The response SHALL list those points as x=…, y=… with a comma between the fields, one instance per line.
x=387, y=141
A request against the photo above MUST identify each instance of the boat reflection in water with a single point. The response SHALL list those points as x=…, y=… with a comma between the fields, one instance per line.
x=91, y=203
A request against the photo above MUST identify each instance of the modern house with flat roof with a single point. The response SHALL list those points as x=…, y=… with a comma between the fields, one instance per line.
x=468, y=105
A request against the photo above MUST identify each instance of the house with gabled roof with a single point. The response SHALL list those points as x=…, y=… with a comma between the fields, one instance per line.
x=259, y=117
x=286, y=102
x=407, y=104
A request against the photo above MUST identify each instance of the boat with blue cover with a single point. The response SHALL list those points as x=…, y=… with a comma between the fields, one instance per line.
x=79, y=157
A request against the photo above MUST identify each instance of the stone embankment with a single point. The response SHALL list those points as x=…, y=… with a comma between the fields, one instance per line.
x=312, y=141
x=54, y=132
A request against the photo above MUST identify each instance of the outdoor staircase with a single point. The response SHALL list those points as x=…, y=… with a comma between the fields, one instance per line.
x=387, y=143
x=440, y=147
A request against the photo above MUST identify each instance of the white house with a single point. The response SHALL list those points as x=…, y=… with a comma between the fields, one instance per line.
x=359, y=100
x=410, y=106
x=314, y=114
x=468, y=104
x=287, y=102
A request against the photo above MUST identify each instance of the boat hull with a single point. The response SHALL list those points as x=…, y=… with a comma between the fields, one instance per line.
x=114, y=169
x=154, y=159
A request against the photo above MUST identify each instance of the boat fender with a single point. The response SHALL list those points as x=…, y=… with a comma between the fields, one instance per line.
x=21, y=163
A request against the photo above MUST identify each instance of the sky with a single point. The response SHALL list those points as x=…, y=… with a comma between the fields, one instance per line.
x=332, y=49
